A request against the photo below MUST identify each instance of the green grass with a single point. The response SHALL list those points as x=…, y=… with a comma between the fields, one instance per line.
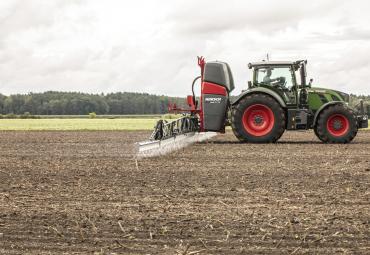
x=80, y=124
x=77, y=124
x=105, y=116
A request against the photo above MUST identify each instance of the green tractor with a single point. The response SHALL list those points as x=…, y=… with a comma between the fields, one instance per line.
x=279, y=99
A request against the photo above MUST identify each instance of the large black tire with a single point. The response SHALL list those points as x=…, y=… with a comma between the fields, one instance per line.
x=258, y=118
x=336, y=124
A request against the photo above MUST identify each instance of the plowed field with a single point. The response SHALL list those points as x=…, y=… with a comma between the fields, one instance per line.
x=84, y=192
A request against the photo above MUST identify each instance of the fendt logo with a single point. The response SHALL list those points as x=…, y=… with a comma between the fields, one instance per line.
x=213, y=100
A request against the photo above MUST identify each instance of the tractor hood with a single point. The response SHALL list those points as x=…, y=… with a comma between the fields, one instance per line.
x=317, y=97
x=335, y=95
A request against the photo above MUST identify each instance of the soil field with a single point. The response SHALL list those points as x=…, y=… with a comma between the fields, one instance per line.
x=84, y=193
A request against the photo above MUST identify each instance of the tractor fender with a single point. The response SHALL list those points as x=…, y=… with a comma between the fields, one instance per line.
x=323, y=107
x=260, y=90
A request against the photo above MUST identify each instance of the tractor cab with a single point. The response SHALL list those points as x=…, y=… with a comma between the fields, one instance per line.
x=281, y=77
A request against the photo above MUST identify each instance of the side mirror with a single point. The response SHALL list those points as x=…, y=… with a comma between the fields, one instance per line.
x=249, y=84
x=310, y=83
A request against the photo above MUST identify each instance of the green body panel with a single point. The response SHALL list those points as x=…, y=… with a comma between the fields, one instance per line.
x=263, y=90
x=317, y=97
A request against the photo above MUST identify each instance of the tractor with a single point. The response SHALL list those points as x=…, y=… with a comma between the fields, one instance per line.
x=278, y=98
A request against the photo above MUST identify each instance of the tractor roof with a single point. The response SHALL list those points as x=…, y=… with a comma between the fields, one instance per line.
x=274, y=63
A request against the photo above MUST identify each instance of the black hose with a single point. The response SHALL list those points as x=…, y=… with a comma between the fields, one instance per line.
x=192, y=89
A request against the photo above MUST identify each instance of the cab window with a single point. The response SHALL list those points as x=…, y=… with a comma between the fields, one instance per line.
x=280, y=77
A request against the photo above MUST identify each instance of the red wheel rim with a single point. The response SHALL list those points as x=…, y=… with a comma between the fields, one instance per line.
x=258, y=120
x=337, y=125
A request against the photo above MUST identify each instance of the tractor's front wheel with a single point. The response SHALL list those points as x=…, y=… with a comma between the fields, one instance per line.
x=258, y=118
x=336, y=124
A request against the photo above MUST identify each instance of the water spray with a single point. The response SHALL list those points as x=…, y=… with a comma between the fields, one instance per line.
x=163, y=147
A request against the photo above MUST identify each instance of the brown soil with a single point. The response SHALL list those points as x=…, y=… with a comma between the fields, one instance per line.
x=82, y=192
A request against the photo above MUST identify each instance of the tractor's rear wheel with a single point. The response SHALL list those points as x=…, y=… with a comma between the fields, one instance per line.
x=336, y=124
x=258, y=118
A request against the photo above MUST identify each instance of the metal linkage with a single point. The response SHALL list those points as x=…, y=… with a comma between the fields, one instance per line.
x=164, y=129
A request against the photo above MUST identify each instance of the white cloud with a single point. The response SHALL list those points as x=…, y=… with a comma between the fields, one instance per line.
x=151, y=46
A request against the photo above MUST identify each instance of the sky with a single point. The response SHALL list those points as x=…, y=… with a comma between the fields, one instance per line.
x=151, y=46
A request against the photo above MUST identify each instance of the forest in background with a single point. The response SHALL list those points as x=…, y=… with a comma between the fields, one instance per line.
x=75, y=103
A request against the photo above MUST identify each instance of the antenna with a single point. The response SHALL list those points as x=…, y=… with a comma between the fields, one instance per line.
x=267, y=57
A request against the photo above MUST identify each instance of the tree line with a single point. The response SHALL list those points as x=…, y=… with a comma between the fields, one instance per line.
x=75, y=103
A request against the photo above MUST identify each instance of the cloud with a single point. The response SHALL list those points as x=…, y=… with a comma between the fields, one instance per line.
x=151, y=46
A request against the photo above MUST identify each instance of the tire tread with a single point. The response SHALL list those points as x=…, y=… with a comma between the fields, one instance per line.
x=237, y=114
x=321, y=129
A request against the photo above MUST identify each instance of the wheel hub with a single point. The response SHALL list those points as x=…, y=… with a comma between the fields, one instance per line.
x=337, y=125
x=258, y=120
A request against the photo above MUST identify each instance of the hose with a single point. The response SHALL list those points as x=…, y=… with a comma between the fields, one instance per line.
x=192, y=89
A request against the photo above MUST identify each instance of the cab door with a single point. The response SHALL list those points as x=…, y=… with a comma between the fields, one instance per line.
x=280, y=79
